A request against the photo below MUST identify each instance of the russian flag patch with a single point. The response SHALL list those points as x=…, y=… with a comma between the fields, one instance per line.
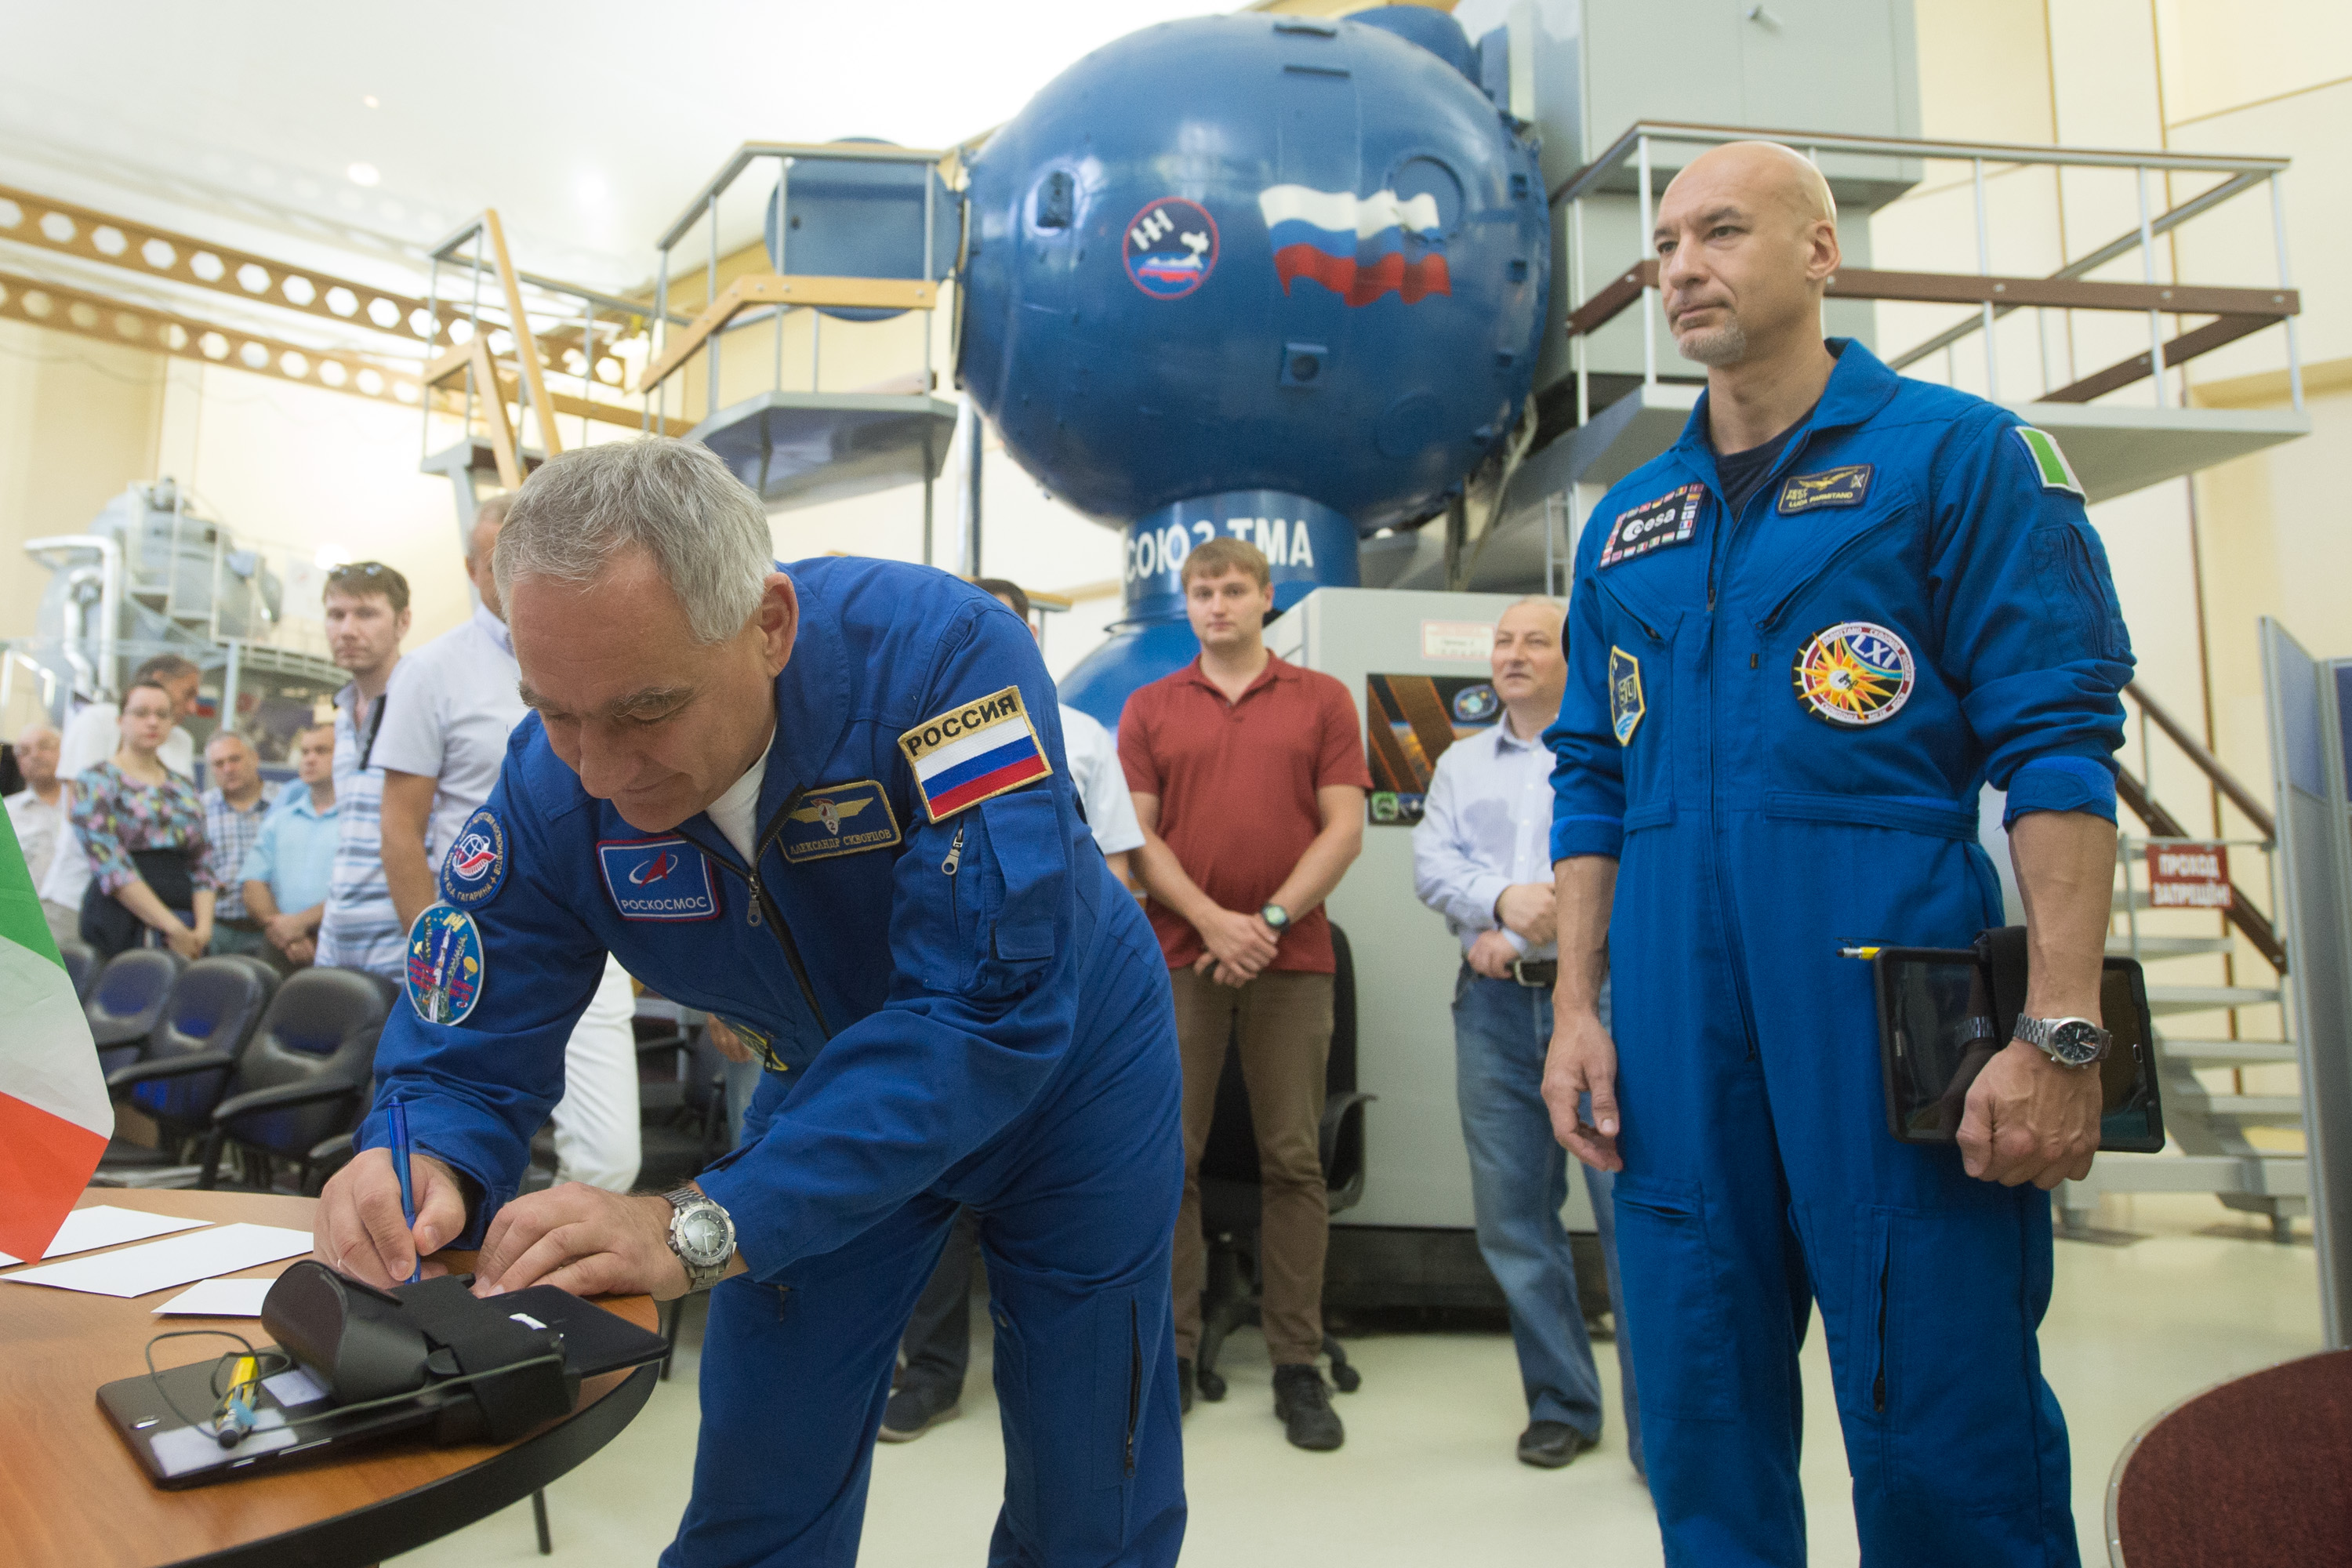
x=971, y=753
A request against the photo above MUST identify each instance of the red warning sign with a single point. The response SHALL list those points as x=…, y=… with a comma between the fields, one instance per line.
x=2188, y=876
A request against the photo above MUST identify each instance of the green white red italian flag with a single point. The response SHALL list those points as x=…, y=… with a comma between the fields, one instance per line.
x=55, y=1118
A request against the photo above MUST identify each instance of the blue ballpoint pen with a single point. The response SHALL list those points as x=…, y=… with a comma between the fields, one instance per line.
x=398, y=1114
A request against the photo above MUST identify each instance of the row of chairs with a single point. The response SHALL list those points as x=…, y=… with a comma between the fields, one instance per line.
x=222, y=1054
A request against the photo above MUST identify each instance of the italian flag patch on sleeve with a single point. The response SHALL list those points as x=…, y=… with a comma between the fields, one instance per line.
x=2050, y=464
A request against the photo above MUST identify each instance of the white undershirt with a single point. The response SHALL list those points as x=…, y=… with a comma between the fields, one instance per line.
x=736, y=813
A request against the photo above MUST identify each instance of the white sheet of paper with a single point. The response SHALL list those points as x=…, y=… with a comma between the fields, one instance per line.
x=219, y=1298
x=106, y=1226
x=183, y=1259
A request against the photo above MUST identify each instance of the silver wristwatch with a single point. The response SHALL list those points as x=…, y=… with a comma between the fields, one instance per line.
x=2069, y=1042
x=702, y=1235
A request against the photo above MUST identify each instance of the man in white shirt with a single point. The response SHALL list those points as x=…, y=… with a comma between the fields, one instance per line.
x=447, y=713
x=95, y=733
x=367, y=614
x=938, y=1342
x=1482, y=858
x=38, y=812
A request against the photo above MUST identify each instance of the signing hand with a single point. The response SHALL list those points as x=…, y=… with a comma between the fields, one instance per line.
x=1492, y=955
x=728, y=1043
x=358, y=1229
x=584, y=1240
x=1583, y=1061
x=1242, y=944
x=1528, y=908
x=2029, y=1120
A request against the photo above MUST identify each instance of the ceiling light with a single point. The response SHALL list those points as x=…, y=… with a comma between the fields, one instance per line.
x=361, y=174
x=370, y=100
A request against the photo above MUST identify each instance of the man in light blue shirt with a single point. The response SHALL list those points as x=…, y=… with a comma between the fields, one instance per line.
x=1482, y=858
x=286, y=872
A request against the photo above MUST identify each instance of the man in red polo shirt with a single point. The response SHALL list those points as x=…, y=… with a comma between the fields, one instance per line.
x=1248, y=778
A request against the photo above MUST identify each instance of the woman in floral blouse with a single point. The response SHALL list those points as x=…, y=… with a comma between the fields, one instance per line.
x=145, y=828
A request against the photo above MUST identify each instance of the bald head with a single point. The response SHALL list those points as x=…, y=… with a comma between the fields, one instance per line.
x=1746, y=240
x=36, y=756
x=479, y=543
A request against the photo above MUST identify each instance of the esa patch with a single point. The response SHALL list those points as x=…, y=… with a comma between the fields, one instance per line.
x=1854, y=674
x=974, y=753
x=840, y=819
x=1831, y=487
x=1625, y=705
x=663, y=878
x=477, y=863
x=444, y=965
x=2050, y=464
x=1672, y=519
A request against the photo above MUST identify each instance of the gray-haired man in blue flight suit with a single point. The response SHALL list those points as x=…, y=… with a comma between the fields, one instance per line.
x=1801, y=641
x=829, y=807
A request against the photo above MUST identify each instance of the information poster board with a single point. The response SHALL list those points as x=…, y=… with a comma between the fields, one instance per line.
x=1411, y=719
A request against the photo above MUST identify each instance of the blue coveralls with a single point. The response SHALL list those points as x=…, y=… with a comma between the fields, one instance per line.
x=1924, y=569
x=1000, y=1034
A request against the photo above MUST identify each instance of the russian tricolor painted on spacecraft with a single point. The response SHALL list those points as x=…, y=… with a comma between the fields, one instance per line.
x=1355, y=246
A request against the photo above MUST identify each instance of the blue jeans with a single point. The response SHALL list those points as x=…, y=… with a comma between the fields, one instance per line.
x=1519, y=1179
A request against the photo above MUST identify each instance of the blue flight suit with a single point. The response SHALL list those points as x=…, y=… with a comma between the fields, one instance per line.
x=966, y=1011
x=1778, y=724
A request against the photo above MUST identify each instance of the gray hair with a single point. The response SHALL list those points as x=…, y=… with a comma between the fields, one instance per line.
x=705, y=529
x=232, y=738
x=1546, y=600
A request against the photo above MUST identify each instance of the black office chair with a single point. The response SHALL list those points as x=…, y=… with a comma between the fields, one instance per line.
x=130, y=997
x=1230, y=1191
x=681, y=1094
x=82, y=967
x=215, y=1005
x=303, y=1078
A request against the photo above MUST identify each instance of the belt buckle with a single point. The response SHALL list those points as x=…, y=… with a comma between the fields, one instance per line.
x=1519, y=974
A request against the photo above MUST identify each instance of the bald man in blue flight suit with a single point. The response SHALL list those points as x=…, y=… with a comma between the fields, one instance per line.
x=829, y=807
x=1802, y=640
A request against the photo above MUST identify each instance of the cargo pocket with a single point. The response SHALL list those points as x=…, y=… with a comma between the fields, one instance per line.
x=1026, y=868
x=1118, y=1389
x=1675, y=1303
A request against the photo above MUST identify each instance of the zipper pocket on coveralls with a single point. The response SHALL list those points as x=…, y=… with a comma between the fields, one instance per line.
x=1822, y=568
x=1134, y=1382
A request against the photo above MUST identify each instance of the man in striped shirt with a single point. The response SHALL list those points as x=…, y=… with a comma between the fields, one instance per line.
x=234, y=808
x=367, y=614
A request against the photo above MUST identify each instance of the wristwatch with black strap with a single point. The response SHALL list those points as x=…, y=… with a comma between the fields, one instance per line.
x=702, y=1234
x=2069, y=1042
x=1276, y=916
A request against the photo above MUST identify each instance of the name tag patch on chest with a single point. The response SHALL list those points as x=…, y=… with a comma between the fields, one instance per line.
x=1625, y=704
x=1672, y=519
x=974, y=753
x=663, y=878
x=1831, y=487
x=840, y=819
x=1854, y=673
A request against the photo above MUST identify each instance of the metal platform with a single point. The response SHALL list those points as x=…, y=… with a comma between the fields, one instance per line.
x=2115, y=448
x=797, y=448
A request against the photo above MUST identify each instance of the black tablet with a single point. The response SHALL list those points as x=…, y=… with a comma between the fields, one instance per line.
x=1937, y=1027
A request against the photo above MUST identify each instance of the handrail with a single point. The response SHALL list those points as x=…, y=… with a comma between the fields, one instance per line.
x=752, y=151
x=1593, y=174
x=2221, y=777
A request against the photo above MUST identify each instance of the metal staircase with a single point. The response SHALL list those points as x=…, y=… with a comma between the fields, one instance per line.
x=2224, y=1132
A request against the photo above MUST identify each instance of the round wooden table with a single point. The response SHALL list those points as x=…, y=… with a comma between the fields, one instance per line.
x=70, y=1493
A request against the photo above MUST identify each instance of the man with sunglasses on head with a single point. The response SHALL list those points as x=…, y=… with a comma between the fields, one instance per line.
x=366, y=614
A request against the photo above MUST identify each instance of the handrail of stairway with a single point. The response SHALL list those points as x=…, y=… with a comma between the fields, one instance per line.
x=2207, y=762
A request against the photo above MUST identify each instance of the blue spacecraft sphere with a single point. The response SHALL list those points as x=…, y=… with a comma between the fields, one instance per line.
x=1257, y=254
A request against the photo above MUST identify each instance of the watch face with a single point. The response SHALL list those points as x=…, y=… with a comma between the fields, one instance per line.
x=2075, y=1042
x=702, y=1236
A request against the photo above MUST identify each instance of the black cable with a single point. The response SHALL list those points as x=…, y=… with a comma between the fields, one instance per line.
x=223, y=1397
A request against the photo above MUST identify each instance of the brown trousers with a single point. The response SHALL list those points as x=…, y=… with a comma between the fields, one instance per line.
x=1284, y=1036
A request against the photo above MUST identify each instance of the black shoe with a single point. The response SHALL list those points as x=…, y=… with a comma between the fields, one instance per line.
x=1303, y=1401
x=1183, y=1385
x=1552, y=1444
x=915, y=1410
